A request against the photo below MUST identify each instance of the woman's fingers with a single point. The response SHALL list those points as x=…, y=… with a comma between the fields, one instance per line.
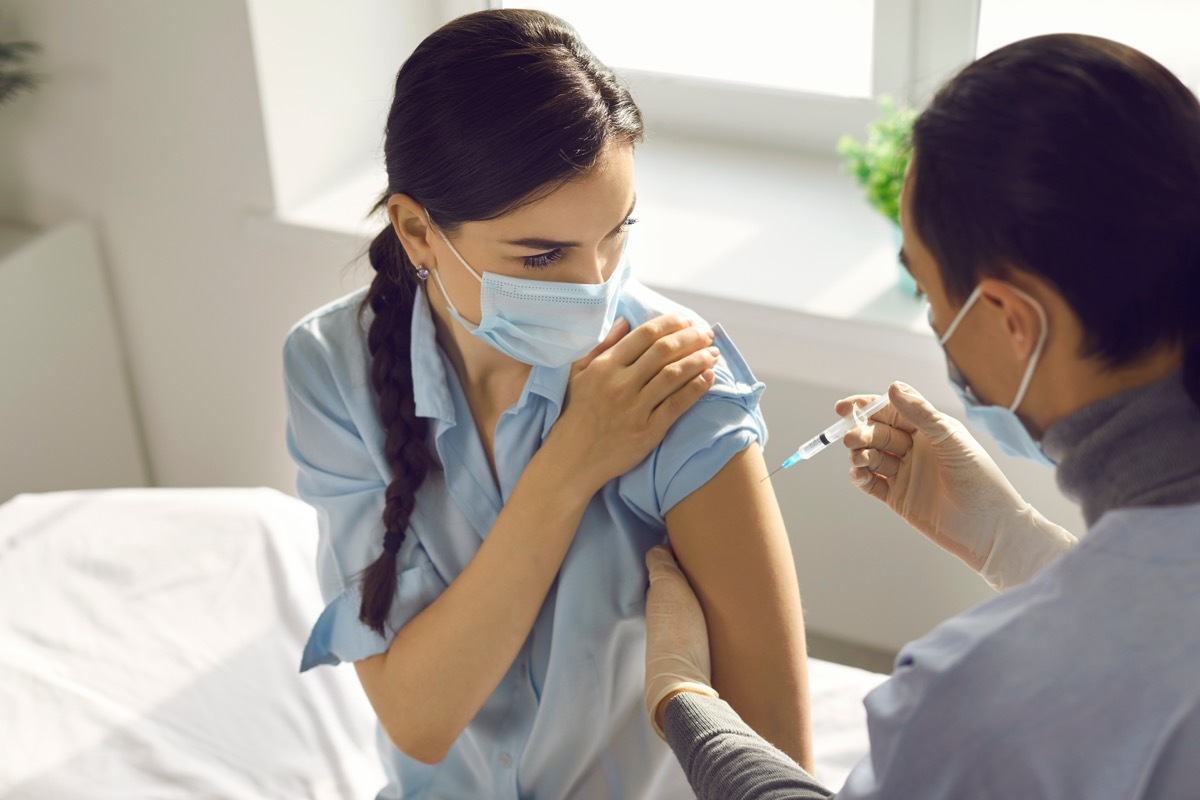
x=619, y=328
x=669, y=349
x=672, y=408
x=650, y=336
x=669, y=379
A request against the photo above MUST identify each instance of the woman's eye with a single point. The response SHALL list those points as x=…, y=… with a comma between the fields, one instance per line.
x=628, y=223
x=543, y=259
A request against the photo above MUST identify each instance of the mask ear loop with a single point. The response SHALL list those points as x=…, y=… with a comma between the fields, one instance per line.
x=457, y=255
x=437, y=278
x=960, y=316
x=1037, y=349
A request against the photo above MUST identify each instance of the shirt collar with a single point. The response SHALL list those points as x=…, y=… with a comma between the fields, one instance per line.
x=431, y=389
x=549, y=383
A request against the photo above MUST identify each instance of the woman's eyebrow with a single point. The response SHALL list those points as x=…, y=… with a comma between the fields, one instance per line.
x=535, y=243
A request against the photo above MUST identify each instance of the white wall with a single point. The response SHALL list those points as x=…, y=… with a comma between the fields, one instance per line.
x=340, y=107
x=151, y=126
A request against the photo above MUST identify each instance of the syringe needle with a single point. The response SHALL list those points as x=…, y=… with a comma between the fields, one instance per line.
x=771, y=473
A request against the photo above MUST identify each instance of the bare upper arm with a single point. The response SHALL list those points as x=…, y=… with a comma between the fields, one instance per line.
x=730, y=541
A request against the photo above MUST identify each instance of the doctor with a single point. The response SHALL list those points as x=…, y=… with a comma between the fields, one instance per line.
x=1051, y=215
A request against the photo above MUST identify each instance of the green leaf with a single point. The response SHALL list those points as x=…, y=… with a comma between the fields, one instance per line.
x=878, y=162
x=15, y=52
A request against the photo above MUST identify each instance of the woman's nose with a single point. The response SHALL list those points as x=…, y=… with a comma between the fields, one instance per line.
x=600, y=268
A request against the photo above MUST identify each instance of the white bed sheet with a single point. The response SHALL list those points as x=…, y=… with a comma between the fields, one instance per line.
x=149, y=644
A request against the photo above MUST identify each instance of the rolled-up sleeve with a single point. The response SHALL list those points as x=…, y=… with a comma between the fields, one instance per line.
x=337, y=475
x=724, y=422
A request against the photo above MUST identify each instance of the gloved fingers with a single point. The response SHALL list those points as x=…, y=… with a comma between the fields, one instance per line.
x=919, y=413
x=887, y=415
x=876, y=461
x=880, y=437
x=670, y=599
x=661, y=563
x=870, y=482
x=846, y=404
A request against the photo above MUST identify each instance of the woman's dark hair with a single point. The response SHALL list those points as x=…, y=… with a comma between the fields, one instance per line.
x=492, y=111
x=1077, y=159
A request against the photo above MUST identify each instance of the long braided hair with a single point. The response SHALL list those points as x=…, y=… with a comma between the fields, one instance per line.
x=491, y=111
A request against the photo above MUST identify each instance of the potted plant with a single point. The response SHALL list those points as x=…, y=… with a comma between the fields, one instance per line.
x=878, y=164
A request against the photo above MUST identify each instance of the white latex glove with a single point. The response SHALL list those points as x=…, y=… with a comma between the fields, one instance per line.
x=677, y=657
x=929, y=470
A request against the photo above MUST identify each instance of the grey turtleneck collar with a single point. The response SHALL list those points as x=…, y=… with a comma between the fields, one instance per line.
x=1140, y=447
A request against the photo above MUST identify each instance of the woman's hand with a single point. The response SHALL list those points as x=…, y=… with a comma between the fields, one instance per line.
x=624, y=396
x=928, y=469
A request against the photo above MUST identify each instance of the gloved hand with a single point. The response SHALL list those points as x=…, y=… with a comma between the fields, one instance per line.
x=677, y=657
x=929, y=470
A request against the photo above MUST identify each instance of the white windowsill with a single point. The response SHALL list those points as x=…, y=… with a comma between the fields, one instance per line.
x=781, y=248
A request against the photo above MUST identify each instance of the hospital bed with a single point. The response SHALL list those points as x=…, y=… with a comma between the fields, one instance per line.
x=149, y=645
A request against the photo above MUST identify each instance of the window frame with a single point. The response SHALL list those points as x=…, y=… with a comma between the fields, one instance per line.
x=917, y=44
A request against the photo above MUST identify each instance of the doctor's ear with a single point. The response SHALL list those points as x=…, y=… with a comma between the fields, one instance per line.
x=1018, y=310
x=412, y=227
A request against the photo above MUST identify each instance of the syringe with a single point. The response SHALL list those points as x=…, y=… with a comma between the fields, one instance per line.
x=858, y=416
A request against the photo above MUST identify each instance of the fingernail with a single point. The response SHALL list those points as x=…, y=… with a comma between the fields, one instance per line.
x=904, y=387
x=709, y=375
x=715, y=351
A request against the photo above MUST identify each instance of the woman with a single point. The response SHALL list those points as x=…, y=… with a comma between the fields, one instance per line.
x=489, y=473
x=1052, y=216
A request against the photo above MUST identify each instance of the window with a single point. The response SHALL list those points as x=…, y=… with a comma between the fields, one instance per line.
x=811, y=46
x=795, y=74
x=1163, y=29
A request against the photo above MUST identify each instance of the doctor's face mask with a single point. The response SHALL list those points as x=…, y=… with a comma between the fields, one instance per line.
x=1001, y=423
x=540, y=323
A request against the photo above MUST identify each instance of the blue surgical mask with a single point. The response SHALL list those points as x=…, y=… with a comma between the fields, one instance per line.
x=541, y=323
x=1001, y=423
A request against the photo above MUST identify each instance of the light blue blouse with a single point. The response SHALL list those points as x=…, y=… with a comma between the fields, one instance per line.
x=567, y=718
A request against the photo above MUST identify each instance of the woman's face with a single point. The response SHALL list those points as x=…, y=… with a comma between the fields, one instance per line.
x=574, y=235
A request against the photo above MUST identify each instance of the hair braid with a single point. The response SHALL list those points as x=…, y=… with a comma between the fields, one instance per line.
x=391, y=299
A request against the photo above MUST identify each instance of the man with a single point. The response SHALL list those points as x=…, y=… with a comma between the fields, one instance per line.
x=1051, y=215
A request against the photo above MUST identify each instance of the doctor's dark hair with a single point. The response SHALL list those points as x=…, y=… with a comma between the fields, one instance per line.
x=1077, y=159
x=492, y=111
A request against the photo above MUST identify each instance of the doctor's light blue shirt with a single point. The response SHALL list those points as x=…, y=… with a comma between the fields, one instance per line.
x=567, y=719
